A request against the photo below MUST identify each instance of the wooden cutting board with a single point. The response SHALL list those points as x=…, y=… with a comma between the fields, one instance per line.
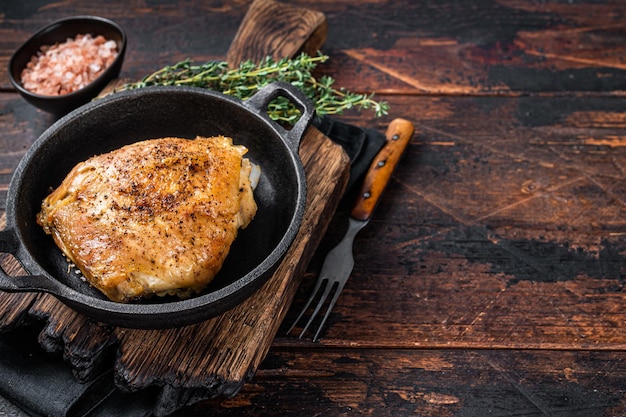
x=218, y=356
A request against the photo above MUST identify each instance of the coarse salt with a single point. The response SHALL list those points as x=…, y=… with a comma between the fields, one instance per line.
x=66, y=67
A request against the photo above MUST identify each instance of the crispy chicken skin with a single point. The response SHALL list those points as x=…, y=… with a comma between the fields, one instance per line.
x=153, y=217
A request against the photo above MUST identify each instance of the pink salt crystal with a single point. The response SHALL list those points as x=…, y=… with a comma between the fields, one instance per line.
x=65, y=67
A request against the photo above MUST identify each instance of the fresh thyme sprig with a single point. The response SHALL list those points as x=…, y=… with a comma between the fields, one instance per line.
x=248, y=78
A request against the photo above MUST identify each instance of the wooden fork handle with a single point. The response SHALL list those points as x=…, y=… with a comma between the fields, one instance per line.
x=399, y=133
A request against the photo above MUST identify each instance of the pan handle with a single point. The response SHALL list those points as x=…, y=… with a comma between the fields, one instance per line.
x=21, y=283
x=260, y=101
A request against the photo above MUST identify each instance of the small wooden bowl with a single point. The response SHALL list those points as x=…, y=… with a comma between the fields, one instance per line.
x=60, y=31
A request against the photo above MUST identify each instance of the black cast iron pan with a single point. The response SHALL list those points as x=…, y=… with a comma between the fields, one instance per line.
x=153, y=112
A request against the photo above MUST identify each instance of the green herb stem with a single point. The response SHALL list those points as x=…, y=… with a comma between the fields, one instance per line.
x=248, y=78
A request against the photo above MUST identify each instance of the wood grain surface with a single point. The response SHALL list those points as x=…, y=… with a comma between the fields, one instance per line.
x=278, y=30
x=214, y=357
x=490, y=280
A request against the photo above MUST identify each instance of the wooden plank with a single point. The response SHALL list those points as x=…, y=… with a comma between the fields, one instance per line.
x=478, y=48
x=429, y=383
x=504, y=48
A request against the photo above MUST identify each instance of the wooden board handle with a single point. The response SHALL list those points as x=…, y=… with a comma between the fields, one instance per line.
x=398, y=135
x=278, y=30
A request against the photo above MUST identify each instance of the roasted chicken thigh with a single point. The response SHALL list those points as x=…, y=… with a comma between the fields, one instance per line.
x=154, y=217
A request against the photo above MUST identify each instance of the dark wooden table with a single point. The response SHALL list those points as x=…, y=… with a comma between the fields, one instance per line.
x=491, y=279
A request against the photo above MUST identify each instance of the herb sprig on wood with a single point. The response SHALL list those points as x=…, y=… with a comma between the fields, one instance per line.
x=249, y=77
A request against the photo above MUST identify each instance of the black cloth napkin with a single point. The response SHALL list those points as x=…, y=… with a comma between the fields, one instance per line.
x=360, y=144
x=42, y=385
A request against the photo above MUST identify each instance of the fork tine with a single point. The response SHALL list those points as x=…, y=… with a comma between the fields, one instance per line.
x=329, y=275
x=318, y=284
x=320, y=303
x=333, y=301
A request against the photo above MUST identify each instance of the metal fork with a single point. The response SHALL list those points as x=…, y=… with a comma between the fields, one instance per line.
x=339, y=262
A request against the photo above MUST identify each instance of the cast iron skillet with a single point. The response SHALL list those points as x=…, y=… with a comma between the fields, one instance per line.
x=153, y=112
